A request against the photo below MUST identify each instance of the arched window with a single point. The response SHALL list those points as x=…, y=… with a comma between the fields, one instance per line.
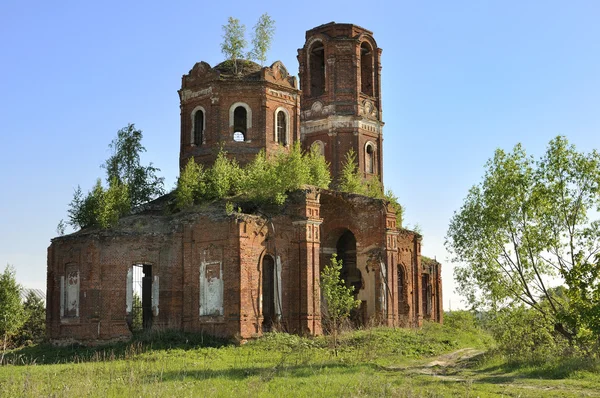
x=317, y=69
x=370, y=158
x=318, y=146
x=240, y=121
x=198, y=127
x=366, y=69
x=281, y=126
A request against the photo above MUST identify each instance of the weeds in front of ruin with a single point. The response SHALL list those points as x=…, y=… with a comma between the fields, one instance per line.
x=373, y=361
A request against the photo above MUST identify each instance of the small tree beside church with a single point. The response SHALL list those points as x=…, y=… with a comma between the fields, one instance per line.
x=11, y=310
x=339, y=297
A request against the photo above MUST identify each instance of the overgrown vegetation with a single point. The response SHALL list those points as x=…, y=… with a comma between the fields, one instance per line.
x=338, y=297
x=263, y=181
x=262, y=37
x=129, y=185
x=351, y=181
x=234, y=41
x=11, y=311
x=527, y=222
x=20, y=323
x=370, y=362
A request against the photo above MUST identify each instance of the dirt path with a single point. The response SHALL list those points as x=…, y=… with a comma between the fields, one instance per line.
x=441, y=365
x=454, y=367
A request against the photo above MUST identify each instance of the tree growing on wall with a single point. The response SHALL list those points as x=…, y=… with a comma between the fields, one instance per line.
x=130, y=184
x=351, y=181
x=262, y=181
x=124, y=167
x=339, y=298
x=233, y=41
x=529, y=221
x=262, y=38
x=11, y=310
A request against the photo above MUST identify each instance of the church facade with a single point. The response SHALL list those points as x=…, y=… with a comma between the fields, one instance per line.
x=235, y=274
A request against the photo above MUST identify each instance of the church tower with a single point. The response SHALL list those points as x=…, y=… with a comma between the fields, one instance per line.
x=241, y=109
x=340, y=79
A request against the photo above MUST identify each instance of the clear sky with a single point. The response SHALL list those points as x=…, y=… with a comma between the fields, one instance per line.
x=459, y=79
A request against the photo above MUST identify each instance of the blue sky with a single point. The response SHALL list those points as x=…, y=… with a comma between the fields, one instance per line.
x=459, y=79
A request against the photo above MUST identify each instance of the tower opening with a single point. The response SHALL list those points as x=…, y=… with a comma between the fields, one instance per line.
x=317, y=69
x=369, y=159
x=281, y=128
x=240, y=123
x=366, y=69
x=198, y=128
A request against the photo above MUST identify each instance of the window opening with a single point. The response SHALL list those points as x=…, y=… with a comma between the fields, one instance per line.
x=317, y=70
x=366, y=69
x=70, y=294
x=319, y=147
x=426, y=295
x=140, y=314
x=240, y=124
x=198, y=127
x=401, y=280
x=369, y=163
x=282, y=128
x=268, y=293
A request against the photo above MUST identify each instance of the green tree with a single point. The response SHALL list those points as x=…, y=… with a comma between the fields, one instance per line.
x=100, y=207
x=526, y=222
x=233, y=41
x=318, y=168
x=191, y=185
x=339, y=298
x=262, y=38
x=34, y=327
x=124, y=166
x=129, y=184
x=350, y=180
x=11, y=310
x=224, y=178
x=398, y=209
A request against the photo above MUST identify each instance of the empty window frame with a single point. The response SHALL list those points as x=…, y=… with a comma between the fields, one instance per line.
x=240, y=121
x=370, y=158
x=316, y=58
x=282, y=126
x=141, y=297
x=366, y=69
x=69, y=286
x=319, y=147
x=198, y=126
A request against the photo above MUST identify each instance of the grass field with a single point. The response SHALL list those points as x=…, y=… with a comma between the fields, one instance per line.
x=435, y=361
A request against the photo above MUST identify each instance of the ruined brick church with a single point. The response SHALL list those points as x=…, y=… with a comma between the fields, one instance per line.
x=223, y=273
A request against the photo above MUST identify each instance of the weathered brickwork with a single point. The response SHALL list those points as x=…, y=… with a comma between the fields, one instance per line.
x=203, y=270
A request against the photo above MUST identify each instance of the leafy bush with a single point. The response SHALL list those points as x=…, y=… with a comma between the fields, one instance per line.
x=100, y=207
x=523, y=335
x=263, y=181
x=34, y=327
x=462, y=320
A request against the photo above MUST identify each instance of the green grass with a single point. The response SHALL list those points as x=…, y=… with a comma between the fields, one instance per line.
x=372, y=362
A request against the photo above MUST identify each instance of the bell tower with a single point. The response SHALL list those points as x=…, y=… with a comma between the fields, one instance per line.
x=340, y=79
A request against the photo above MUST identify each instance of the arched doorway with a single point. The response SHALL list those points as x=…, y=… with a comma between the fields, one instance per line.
x=268, y=293
x=346, y=251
